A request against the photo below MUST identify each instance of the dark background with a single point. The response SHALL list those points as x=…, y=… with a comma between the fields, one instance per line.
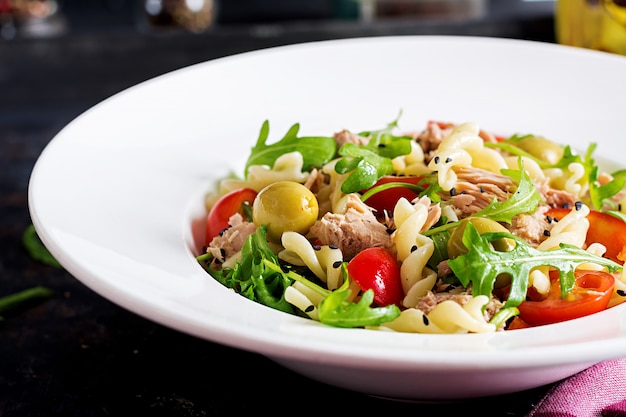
x=77, y=354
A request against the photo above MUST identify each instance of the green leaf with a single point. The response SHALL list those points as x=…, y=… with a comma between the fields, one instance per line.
x=367, y=163
x=366, y=170
x=15, y=300
x=315, y=150
x=601, y=194
x=524, y=200
x=251, y=277
x=335, y=310
x=36, y=249
x=440, y=253
x=503, y=315
x=482, y=264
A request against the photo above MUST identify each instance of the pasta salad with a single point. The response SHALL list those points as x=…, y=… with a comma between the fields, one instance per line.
x=444, y=229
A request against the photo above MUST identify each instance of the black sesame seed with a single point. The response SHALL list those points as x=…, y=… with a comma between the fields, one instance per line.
x=425, y=320
x=437, y=159
x=448, y=160
x=309, y=309
x=333, y=246
x=453, y=191
x=317, y=247
x=382, y=145
x=578, y=205
x=336, y=264
x=566, y=205
x=621, y=293
x=546, y=233
x=549, y=219
x=413, y=248
x=482, y=189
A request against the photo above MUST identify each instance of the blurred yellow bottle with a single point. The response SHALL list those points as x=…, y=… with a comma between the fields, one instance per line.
x=594, y=24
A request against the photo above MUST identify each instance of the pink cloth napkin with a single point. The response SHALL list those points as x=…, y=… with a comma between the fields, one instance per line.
x=599, y=391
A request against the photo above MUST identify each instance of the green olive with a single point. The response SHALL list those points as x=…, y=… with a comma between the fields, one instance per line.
x=285, y=206
x=482, y=225
x=542, y=148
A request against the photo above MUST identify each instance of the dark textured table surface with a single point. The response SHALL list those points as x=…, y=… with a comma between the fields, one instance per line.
x=78, y=354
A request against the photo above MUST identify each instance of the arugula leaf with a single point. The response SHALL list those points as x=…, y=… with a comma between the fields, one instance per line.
x=600, y=194
x=440, y=253
x=432, y=189
x=15, y=300
x=336, y=311
x=367, y=163
x=482, y=264
x=525, y=199
x=315, y=150
x=366, y=166
x=251, y=277
x=503, y=315
x=36, y=249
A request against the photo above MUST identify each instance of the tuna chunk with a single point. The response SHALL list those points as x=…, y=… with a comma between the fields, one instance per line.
x=231, y=240
x=476, y=188
x=353, y=231
x=430, y=139
x=531, y=227
x=553, y=197
x=431, y=299
x=345, y=136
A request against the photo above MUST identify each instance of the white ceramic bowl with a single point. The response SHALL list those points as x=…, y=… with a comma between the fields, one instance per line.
x=117, y=195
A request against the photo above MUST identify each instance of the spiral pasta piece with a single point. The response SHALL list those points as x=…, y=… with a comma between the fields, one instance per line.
x=571, y=229
x=324, y=262
x=412, y=163
x=531, y=167
x=287, y=167
x=413, y=250
x=304, y=299
x=463, y=147
x=572, y=183
x=446, y=317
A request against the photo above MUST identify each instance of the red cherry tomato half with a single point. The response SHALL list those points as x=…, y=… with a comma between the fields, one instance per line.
x=387, y=199
x=603, y=228
x=377, y=269
x=225, y=207
x=591, y=293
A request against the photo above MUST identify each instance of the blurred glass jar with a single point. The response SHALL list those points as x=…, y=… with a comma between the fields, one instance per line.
x=192, y=15
x=593, y=24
